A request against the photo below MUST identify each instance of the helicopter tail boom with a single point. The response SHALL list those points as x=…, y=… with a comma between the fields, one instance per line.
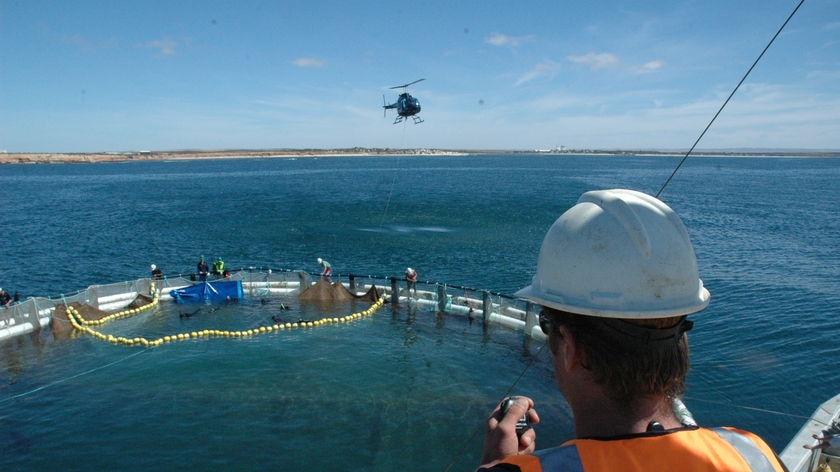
x=386, y=106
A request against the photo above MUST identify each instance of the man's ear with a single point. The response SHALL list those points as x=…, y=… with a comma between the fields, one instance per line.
x=568, y=347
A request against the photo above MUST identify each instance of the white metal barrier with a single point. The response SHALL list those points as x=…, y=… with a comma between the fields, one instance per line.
x=491, y=308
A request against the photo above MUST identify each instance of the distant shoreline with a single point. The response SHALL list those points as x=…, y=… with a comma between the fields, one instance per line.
x=63, y=158
x=83, y=157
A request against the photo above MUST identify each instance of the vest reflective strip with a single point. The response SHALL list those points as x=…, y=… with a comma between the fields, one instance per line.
x=749, y=450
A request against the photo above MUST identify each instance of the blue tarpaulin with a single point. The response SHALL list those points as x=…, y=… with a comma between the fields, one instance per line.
x=218, y=291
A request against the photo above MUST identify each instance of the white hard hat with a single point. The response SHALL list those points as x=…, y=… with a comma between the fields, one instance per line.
x=618, y=254
x=153, y=267
x=319, y=260
x=409, y=270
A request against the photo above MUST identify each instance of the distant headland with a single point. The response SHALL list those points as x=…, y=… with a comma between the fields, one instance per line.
x=91, y=157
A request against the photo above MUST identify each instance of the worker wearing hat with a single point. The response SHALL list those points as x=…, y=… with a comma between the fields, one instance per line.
x=411, y=280
x=616, y=278
x=326, y=269
x=5, y=298
x=218, y=266
x=202, y=268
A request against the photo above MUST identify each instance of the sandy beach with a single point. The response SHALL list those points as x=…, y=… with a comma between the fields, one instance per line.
x=82, y=157
x=56, y=158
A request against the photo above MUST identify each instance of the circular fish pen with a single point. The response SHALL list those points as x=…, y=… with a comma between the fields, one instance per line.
x=359, y=367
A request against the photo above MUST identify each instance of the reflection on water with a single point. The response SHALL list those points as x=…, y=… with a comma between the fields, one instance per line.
x=407, y=229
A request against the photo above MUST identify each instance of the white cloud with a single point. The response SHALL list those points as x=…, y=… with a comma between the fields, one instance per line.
x=80, y=42
x=760, y=115
x=165, y=47
x=499, y=39
x=85, y=44
x=544, y=68
x=605, y=60
x=595, y=61
x=651, y=66
x=308, y=62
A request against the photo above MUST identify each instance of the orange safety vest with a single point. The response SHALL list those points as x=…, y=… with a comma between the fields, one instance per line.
x=685, y=450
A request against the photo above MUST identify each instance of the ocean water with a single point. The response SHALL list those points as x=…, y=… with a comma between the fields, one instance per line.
x=403, y=389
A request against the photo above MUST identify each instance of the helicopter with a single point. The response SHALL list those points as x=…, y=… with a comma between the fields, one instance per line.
x=406, y=105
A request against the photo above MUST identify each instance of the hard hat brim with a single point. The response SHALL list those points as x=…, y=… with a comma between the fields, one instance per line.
x=602, y=308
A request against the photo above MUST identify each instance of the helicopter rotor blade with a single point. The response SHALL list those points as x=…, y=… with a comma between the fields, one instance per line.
x=406, y=85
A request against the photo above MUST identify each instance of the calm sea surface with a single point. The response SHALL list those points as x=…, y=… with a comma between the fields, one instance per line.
x=399, y=390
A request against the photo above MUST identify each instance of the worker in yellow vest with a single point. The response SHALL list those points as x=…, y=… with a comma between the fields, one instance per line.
x=218, y=267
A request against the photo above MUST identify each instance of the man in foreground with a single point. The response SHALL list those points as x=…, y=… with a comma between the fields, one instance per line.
x=616, y=278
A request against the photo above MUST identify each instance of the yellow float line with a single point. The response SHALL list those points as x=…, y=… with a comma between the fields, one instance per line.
x=122, y=314
x=114, y=316
x=79, y=323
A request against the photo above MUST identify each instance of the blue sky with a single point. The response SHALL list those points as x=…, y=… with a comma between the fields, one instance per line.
x=93, y=76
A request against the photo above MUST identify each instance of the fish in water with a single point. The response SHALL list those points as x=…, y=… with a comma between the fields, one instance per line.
x=277, y=318
x=187, y=314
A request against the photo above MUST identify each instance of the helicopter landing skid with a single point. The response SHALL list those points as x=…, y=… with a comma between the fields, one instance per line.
x=416, y=119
